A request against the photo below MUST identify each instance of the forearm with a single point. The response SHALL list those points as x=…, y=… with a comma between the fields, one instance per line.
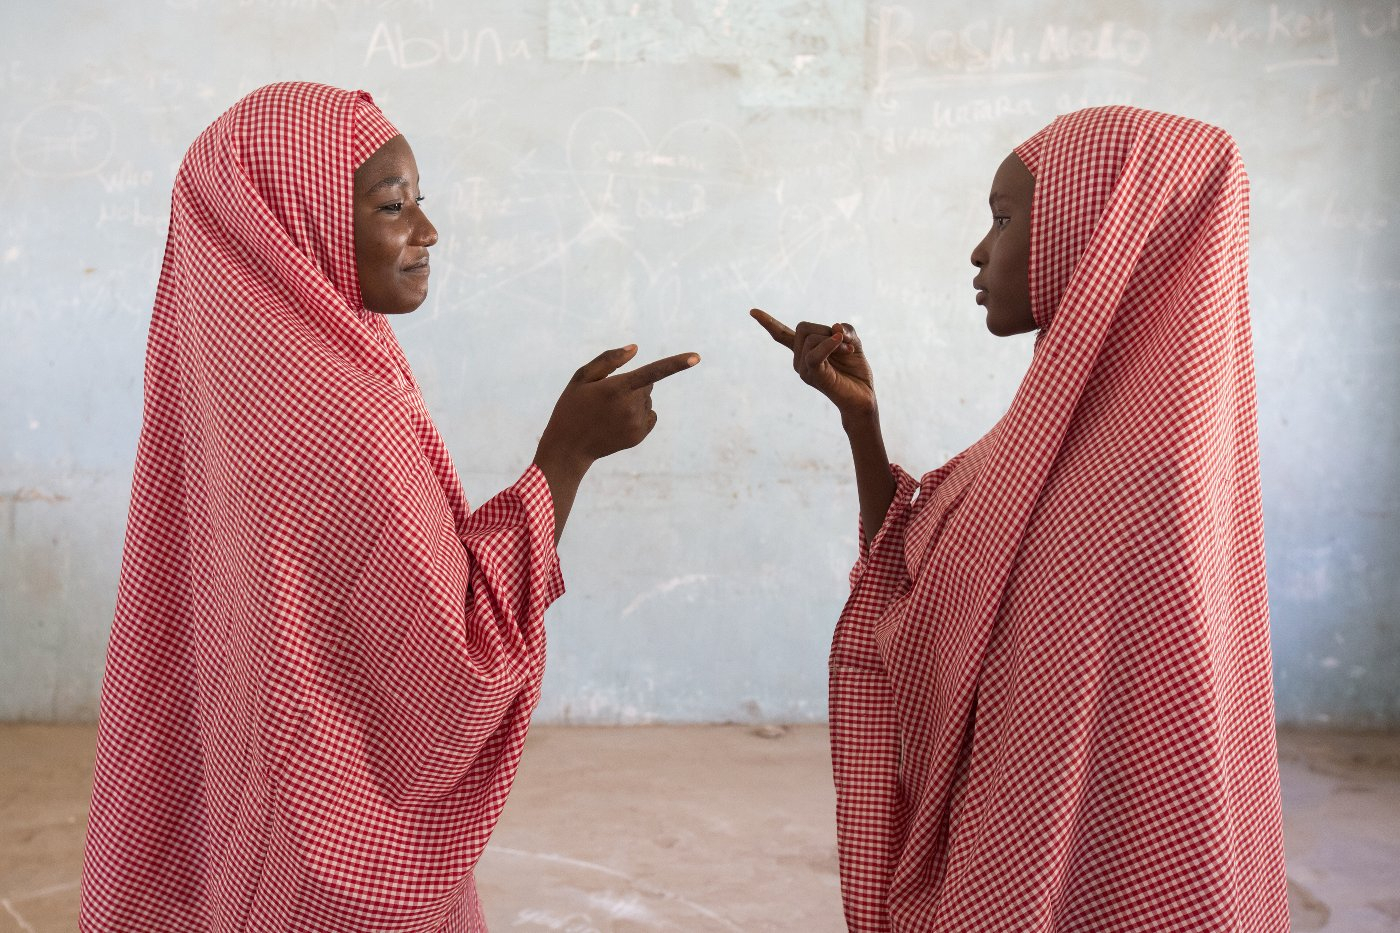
x=874, y=482
x=564, y=474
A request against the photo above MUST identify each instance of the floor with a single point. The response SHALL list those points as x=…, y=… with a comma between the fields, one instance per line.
x=722, y=828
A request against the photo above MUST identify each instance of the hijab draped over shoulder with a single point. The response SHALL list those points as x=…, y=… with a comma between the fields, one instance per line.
x=322, y=664
x=1051, y=698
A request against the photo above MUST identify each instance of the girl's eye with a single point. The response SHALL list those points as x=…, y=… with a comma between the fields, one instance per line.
x=397, y=206
x=1000, y=221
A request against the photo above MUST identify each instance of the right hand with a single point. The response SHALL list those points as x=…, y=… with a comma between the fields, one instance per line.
x=829, y=359
x=600, y=413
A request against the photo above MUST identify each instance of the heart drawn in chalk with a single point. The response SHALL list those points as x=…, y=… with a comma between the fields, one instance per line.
x=663, y=200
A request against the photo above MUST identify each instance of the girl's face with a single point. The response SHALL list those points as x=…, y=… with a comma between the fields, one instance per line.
x=1002, y=259
x=392, y=234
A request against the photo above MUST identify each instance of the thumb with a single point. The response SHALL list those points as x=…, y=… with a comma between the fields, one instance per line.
x=605, y=364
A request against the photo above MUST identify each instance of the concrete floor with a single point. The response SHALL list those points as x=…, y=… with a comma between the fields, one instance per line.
x=723, y=828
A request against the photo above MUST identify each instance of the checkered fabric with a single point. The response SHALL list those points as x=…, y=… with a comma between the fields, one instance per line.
x=1051, y=697
x=322, y=664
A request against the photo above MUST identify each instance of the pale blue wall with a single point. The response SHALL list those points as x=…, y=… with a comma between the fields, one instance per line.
x=604, y=172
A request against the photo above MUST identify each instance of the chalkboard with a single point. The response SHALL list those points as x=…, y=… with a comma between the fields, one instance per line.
x=611, y=171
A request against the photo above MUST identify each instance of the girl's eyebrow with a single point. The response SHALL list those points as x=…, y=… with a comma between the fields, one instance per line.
x=393, y=181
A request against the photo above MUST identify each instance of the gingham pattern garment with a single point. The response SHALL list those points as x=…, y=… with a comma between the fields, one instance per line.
x=1051, y=698
x=322, y=665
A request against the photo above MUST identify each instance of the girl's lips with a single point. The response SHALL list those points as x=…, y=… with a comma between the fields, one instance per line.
x=418, y=268
x=981, y=296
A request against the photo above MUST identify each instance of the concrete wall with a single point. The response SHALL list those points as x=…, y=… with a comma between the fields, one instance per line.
x=606, y=171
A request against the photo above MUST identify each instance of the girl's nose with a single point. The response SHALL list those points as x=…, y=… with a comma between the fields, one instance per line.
x=427, y=235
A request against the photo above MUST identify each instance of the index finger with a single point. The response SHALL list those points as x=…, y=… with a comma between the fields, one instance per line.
x=776, y=328
x=656, y=371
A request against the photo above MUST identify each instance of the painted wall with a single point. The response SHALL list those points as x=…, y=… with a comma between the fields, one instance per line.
x=606, y=171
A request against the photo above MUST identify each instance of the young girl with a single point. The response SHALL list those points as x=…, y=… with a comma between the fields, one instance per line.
x=1051, y=705
x=323, y=664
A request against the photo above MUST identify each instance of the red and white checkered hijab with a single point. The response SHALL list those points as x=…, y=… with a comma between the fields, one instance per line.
x=322, y=664
x=1051, y=694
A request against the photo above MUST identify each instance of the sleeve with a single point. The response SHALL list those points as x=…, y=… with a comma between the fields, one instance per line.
x=864, y=724
x=424, y=697
x=879, y=577
x=871, y=809
x=467, y=690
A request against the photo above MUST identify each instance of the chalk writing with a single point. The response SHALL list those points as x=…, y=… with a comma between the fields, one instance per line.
x=906, y=54
x=1350, y=100
x=897, y=140
x=124, y=179
x=1303, y=38
x=978, y=46
x=800, y=53
x=63, y=139
x=1109, y=42
x=130, y=213
x=1302, y=30
x=980, y=110
x=484, y=47
x=633, y=188
x=625, y=31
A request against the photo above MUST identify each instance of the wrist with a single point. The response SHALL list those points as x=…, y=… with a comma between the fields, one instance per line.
x=561, y=466
x=864, y=421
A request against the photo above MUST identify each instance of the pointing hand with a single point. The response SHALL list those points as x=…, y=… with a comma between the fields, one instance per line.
x=829, y=359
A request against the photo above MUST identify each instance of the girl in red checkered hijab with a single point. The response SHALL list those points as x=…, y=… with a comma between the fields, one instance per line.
x=1051, y=705
x=323, y=663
